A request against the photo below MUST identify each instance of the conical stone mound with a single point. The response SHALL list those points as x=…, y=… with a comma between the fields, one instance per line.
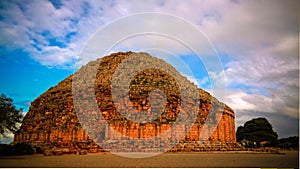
x=52, y=122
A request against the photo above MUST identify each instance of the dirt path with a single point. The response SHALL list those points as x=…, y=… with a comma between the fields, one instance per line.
x=289, y=159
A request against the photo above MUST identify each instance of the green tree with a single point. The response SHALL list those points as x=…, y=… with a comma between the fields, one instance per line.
x=9, y=116
x=289, y=143
x=257, y=130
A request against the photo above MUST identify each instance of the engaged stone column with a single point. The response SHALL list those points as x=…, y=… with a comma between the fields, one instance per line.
x=157, y=130
x=106, y=132
x=222, y=126
x=217, y=131
x=233, y=127
x=230, y=127
x=226, y=127
x=142, y=131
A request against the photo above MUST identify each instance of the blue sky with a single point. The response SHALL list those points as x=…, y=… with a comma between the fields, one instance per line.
x=257, y=42
x=25, y=79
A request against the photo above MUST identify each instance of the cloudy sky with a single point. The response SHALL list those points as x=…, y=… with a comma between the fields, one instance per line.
x=257, y=43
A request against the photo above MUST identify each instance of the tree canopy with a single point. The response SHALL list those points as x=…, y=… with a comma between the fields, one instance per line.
x=9, y=116
x=289, y=143
x=257, y=130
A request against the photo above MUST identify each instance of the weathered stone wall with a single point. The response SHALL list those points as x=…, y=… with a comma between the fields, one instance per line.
x=52, y=122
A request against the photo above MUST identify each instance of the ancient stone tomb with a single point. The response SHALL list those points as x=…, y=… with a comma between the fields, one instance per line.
x=53, y=121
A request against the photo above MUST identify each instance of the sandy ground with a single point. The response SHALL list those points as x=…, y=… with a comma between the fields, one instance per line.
x=203, y=159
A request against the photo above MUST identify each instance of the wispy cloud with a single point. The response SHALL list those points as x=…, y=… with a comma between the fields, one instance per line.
x=34, y=25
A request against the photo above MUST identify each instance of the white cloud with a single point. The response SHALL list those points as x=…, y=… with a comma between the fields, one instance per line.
x=272, y=77
x=193, y=80
x=237, y=102
x=34, y=25
x=262, y=40
x=235, y=28
x=242, y=101
x=55, y=55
